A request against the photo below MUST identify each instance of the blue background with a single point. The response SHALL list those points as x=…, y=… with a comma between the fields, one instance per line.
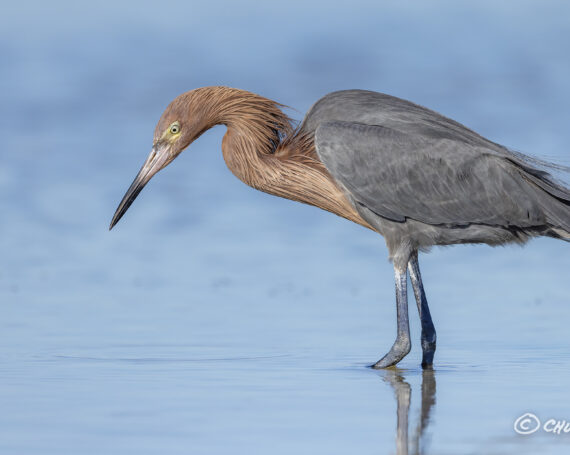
x=215, y=318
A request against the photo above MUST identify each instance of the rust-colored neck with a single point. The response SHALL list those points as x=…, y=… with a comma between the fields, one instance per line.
x=263, y=150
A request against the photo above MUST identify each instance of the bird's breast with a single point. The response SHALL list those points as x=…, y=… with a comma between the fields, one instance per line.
x=288, y=175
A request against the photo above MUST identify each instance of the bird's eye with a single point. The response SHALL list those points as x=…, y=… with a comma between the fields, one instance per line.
x=175, y=129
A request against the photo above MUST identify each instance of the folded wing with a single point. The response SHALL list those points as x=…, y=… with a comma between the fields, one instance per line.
x=438, y=181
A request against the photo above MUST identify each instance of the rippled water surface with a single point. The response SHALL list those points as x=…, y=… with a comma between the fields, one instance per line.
x=215, y=319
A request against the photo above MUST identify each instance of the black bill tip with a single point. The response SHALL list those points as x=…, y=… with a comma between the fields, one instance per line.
x=129, y=197
x=158, y=158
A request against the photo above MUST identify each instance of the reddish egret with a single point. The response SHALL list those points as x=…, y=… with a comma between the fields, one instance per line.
x=414, y=176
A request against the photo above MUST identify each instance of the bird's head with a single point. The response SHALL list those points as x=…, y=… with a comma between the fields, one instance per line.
x=196, y=111
x=176, y=130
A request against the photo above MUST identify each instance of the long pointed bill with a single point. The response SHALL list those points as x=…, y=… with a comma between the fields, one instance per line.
x=157, y=159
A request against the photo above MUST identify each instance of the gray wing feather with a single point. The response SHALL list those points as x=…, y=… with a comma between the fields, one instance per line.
x=439, y=181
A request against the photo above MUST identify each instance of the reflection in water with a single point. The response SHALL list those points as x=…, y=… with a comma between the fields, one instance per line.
x=403, y=391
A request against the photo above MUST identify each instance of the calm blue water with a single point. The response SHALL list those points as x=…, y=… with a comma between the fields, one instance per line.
x=215, y=319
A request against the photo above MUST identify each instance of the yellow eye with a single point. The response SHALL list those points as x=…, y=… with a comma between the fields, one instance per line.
x=174, y=128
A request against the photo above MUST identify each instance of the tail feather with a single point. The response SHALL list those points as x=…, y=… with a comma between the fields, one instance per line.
x=555, y=201
x=560, y=234
x=544, y=180
x=553, y=196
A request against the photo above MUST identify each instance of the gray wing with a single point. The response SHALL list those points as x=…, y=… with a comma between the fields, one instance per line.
x=437, y=181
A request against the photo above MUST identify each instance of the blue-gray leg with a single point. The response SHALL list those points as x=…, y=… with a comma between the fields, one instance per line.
x=402, y=345
x=428, y=329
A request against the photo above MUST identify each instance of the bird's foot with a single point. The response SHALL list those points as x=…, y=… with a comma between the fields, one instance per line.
x=428, y=349
x=398, y=351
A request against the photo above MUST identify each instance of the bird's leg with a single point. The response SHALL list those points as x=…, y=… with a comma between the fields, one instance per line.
x=402, y=345
x=428, y=329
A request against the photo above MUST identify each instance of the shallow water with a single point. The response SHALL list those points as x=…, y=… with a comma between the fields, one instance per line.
x=214, y=318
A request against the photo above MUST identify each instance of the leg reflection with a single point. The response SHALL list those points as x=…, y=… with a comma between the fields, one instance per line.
x=403, y=391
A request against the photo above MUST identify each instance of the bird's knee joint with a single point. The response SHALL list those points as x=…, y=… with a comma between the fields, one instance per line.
x=403, y=346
